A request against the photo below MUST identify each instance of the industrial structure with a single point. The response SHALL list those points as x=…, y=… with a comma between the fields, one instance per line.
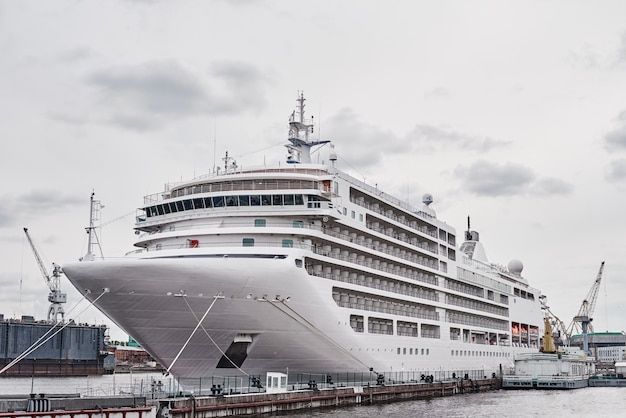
x=56, y=297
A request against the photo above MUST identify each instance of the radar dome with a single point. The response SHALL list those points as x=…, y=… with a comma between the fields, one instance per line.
x=515, y=267
x=427, y=199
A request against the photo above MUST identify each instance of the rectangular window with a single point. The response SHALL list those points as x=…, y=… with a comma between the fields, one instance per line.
x=259, y=222
x=277, y=199
x=198, y=203
x=208, y=202
x=288, y=200
x=188, y=204
x=244, y=200
x=360, y=217
x=166, y=208
x=266, y=200
x=218, y=201
x=352, y=214
x=345, y=211
x=255, y=200
x=298, y=224
x=288, y=243
x=299, y=199
x=160, y=209
x=231, y=200
x=248, y=242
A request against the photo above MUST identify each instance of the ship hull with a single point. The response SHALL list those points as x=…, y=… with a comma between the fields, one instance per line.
x=263, y=311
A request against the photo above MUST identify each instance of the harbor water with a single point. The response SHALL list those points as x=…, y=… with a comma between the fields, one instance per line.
x=587, y=402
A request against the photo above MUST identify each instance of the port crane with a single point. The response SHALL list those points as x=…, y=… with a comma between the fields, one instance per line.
x=581, y=323
x=55, y=297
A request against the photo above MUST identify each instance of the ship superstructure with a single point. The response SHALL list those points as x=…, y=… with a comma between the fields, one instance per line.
x=305, y=268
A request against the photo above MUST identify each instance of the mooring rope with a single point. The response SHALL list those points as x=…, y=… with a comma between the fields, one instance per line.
x=213, y=341
x=215, y=298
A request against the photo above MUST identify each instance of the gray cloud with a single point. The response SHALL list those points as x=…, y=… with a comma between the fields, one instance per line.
x=430, y=138
x=148, y=95
x=33, y=204
x=615, y=140
x=437, y=93
x=76, y=55
x=616, y=171
x=621, y=52
x=357, y=143
x=551, y=186
x=490, y=179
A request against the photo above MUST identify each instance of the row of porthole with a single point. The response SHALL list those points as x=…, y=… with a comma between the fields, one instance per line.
x=478, y=353
x=424, y=351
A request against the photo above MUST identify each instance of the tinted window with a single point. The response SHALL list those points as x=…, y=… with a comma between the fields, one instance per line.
x=288, y=199
x=198, y=203
x=299, y=200
x=244, y=200
x=277, y=199
x=266, y=200
x=255, y=200
x=218, y=201
x=231, y=200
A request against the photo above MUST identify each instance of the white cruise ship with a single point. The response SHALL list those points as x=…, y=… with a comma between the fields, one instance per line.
x=301, y=267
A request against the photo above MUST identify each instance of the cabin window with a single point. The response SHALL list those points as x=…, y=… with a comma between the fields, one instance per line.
x=259, y=222
x=360, y=217
x=198, y=203
x=231, y=201
x=218, y=201
x=298, y=224
x=353, y=215
x=277, y=199
x=345, y=211
x=288, y=243
x=248, y=242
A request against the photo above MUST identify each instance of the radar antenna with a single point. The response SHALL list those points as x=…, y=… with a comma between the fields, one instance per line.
x=299, y=150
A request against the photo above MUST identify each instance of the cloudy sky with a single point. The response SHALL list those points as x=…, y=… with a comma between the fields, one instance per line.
x=511, y=112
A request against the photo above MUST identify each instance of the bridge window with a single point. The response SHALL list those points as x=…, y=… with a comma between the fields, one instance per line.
x=244, y=200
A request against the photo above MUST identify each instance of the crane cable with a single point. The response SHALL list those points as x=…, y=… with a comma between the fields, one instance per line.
x=39, y=342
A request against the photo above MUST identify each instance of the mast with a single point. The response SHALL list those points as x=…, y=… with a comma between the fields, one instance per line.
x=92, y=237
x=299, y=150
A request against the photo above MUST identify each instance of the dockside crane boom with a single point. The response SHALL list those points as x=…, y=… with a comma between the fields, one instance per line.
x=581, y=323
x=55, y=297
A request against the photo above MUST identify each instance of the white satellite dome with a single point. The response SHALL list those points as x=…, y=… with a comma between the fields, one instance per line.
x=427, y=199
x=515, y=267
